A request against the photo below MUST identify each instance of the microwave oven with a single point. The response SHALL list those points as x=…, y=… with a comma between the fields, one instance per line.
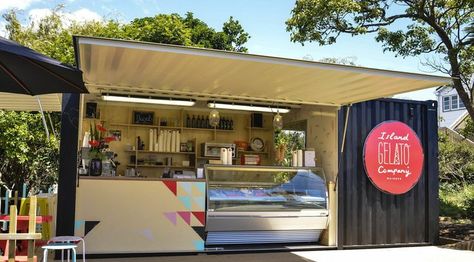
x=214, y=149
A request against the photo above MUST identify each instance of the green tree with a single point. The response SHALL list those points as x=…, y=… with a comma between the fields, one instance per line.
x=25, y=153
x=436, y=26
x=350, y=60
x=468, y=130
x=456, y=161
x=52, y=35
x=236, y=36
x=169, y=29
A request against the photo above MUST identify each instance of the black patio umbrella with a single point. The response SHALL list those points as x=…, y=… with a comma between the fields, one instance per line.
x=25, y=71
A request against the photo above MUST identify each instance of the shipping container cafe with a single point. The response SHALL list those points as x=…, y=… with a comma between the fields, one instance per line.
x=199, y=156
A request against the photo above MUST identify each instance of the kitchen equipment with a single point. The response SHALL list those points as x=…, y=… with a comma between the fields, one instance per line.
x=241, y=145
x=214, y=149
x=257, y=144
x=247, y=159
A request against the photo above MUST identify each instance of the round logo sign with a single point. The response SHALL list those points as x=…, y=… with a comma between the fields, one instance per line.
x=393, y=157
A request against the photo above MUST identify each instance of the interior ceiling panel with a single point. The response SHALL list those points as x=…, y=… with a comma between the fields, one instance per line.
x=151, y=68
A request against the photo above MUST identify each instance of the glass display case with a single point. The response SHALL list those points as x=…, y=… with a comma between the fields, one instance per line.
x=253, y=204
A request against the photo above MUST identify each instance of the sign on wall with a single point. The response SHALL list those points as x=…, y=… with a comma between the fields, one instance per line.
x=393, y=157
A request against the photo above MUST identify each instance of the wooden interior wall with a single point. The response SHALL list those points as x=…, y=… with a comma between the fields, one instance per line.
x=117, y=117
x=321, y=134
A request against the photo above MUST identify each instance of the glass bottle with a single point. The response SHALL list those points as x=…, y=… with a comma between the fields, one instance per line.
x=199, y=122
x=193, y=122
x=206, y=124
x=188, y=121
x=221, y=123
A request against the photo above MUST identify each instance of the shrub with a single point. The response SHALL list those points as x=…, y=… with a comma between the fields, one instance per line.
x=457, y=202
x=456, y=161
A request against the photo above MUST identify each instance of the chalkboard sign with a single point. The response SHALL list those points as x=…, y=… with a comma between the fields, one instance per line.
x=143, y=118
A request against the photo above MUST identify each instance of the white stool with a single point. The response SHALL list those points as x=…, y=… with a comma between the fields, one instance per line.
x=62, y=247
x=71, y=239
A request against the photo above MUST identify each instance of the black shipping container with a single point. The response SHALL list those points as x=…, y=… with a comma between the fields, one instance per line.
x=367, y=216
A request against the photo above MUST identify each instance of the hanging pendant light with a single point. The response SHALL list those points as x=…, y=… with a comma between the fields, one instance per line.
x=278, y=121
x=214, y=117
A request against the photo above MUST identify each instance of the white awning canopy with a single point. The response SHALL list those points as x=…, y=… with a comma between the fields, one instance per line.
x=148, y=68
x=18, y=102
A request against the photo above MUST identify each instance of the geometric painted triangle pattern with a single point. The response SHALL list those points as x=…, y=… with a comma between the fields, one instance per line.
x=201, y=187
x=186, y=216
x=78, y=224
x=148, y=234
x=185, y=188
x=171, y=185
x=200, y=231
x=171, y=216
x=89, y=225
x=200, y=216
x=200, y=202
x=198, y=244
x=186, y=200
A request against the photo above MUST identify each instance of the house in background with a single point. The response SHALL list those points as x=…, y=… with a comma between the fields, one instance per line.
x=451, y=110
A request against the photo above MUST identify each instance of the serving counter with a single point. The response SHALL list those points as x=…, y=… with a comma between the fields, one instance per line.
x=140, y=215
x=245, y=205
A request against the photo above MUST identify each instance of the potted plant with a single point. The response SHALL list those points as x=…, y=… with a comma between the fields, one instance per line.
x=98, y=146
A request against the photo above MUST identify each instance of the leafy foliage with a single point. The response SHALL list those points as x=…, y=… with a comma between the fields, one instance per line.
x=351, y=60
x=468, y=130
x=458, y=202
x=25, y=152
x=456, y=173
x=438, y=27
x=287, y=141
x=456, y=161
x=52, y=35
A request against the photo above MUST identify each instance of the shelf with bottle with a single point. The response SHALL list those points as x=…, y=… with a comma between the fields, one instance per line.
x=161, y=166
x=241, y=152
x=253, y=128
x=159, y=152
x=202, y=122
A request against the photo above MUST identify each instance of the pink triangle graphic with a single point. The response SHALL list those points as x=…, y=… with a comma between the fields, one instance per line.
x=171, y=217
x=186, y=216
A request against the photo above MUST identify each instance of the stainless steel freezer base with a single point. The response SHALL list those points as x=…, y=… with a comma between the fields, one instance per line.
x=260, y=237
x=264, y=227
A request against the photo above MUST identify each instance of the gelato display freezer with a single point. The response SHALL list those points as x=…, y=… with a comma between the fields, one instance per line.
x=254, y=204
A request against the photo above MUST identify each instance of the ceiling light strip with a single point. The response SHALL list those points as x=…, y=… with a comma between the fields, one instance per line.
x=151, y=100
x=254, y=108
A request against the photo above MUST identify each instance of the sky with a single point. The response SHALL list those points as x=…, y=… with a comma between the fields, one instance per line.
x=264, y=20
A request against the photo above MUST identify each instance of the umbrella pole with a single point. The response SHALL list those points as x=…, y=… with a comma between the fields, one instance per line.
x=42, y=117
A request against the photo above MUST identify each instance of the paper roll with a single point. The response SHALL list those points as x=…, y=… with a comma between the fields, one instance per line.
x=173, y=141
x=155, y=140
x=160, y=141
x=86, y=139
x=229, y=156
x=224, y=156
x=165, y=139
x=294, y=158
x=178, y=141
x=168, y=141
x=150, y=140
x=300, y=157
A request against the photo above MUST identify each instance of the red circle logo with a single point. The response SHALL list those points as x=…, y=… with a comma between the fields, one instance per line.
x=393, y=157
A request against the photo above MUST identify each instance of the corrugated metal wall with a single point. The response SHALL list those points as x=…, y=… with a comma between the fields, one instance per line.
x=367, y=216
